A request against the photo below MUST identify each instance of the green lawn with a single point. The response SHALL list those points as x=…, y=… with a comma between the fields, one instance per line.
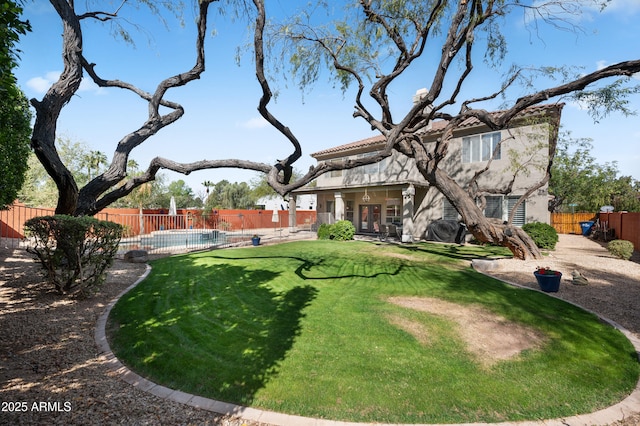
x=304, y=328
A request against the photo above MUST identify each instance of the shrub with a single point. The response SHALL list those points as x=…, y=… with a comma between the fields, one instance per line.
x=545, y=236
x=621, y=249
x=342, y=230
x=73, y=251
x=324, y=231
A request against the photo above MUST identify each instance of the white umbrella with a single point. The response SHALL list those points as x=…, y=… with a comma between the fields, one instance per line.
x=172, y=207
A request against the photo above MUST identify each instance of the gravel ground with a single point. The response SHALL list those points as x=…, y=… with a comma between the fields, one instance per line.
x=51, y=371
x=613, y=290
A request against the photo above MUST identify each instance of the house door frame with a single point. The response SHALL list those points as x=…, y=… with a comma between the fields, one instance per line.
x=369, y=214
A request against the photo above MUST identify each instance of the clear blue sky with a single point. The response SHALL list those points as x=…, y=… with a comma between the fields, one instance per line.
x=221, y=120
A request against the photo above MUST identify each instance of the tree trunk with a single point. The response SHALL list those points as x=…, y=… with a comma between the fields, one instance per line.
x=484, y=229
x=48, y=110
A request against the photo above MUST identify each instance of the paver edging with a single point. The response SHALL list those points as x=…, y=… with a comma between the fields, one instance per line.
x=619, y=411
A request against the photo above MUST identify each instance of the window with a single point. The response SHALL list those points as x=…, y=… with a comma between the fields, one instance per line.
x=499, y=207
x=336, y=173
x=394, y=210
x=519, y=217
x=480, y=147
x=448, y=211
x=369, y=169
x=493, y=207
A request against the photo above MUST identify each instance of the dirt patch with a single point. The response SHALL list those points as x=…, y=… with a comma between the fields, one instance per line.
x=490, y=337
x=401, y=256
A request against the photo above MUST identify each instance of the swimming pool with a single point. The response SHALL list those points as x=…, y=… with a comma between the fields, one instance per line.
x=187, y=239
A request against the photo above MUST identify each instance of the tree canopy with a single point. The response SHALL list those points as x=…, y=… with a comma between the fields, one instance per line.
x=370, y=45
x=579, y=183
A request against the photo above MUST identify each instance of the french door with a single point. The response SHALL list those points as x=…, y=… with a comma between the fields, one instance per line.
x=369, y=214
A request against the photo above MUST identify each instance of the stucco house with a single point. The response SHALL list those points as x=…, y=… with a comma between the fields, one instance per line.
x=393, y=192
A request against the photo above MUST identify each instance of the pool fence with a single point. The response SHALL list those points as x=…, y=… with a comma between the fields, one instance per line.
x=156, y=231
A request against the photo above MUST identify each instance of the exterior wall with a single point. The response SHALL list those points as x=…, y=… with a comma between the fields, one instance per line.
x=526, y=146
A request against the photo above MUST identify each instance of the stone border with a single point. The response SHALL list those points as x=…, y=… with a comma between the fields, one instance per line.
x=619, y=411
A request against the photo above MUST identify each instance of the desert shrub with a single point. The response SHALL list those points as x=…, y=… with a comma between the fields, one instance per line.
x=621, y=249
x=342, y=230
x=73, y=251
x=545, y=236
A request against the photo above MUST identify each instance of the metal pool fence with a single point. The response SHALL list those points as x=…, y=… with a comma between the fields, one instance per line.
x=187, y=230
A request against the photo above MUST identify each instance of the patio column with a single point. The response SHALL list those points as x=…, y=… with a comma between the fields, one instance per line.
x=292, y=214
x=408, y=196
x=339, y=206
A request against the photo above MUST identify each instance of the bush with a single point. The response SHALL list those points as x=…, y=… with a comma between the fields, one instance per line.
x=342, y=230
x=74, y=251
x=621, y=249
x=545, y=236
x=324, y=231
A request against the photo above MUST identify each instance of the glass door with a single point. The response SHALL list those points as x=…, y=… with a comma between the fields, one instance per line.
x=369, y=214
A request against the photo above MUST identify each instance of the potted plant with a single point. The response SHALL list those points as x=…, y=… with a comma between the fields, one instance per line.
x=255, y=240
x=548, y=279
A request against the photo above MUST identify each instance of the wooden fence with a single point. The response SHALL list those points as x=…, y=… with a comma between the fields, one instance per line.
x=136, y=223
x=625, y=226
x=622, y=225
x=569, y=223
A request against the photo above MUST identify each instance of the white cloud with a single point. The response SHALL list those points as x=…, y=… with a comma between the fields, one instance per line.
x=255, y=123
x=40, y=85
x=627, y=7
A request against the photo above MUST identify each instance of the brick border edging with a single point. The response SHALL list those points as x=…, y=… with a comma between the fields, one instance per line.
x=630, y=405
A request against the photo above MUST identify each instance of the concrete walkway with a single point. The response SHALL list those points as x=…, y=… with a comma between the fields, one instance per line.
x=617, y=412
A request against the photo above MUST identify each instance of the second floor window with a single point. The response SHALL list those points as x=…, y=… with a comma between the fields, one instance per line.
x=480, y=147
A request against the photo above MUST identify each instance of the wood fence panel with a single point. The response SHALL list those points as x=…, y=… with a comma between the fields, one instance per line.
x=569, y=223
x=626, y=226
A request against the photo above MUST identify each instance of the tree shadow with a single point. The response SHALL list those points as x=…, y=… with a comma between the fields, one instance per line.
x=306, y=265
x=227, y=330
x=456, y=251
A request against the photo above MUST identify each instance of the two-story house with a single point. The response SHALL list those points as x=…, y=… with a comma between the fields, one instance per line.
x=394, y=192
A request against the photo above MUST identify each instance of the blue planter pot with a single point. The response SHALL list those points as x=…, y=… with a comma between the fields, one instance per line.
x=548, y=283
x=255, y=241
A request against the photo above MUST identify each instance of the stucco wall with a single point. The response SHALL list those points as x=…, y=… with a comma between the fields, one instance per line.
x=524, y=154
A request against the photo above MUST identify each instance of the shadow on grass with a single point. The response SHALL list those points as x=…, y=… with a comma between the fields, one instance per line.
x=220, y=332
x=307, y=265
x=459, y=252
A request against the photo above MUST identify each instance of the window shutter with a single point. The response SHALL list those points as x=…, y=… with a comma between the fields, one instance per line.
x=520, y=215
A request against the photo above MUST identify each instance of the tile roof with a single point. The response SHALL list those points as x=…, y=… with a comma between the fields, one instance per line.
x=436, y=127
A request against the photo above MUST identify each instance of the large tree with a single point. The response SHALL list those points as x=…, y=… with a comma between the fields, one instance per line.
x=15, y=117
x=375, y=44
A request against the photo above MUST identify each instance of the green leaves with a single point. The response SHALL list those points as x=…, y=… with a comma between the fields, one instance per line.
x=603, y=101
x=580, y=183
x=15, y=116
x=74, y=251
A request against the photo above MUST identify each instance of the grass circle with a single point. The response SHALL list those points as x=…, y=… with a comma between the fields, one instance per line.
x=309, y=328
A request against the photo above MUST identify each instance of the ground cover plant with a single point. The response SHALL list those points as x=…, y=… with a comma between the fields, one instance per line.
x=359, y=331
